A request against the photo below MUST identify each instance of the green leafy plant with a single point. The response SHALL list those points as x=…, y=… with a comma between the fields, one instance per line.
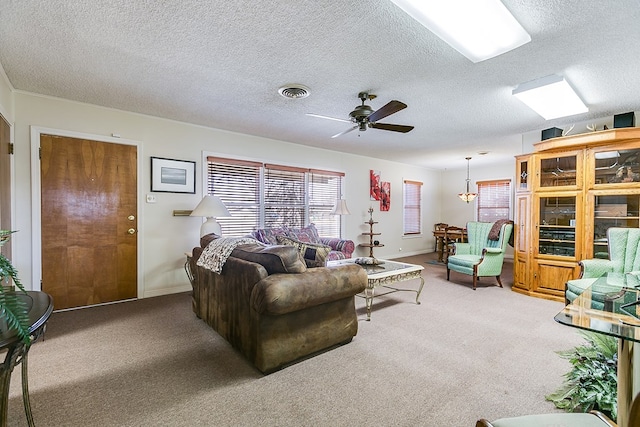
x=592, y=382
x=13, y=309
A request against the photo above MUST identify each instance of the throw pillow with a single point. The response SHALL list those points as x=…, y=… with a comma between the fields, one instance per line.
x=268, y=235
x=314, y=255
x=308, y=234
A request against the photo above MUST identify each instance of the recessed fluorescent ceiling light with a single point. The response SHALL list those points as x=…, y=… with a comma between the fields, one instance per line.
x=478, y=29
x=551, y=97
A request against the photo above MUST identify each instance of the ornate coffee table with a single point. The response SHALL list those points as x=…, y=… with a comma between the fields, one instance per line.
x=385, y=274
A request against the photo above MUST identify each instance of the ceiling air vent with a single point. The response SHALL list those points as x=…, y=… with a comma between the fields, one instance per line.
x=294, y=91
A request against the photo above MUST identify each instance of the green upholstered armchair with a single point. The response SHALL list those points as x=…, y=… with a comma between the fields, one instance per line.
x=624, y=257
x=481, y=256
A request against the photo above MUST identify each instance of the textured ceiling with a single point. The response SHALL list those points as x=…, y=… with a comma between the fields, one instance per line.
x=220, y=64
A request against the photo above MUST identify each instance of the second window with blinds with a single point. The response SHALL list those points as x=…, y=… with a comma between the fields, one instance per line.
x=494, y=200
x=412, y=208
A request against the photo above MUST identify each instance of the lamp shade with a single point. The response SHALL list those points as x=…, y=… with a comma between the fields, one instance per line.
x=341, y=208
x=210, y=207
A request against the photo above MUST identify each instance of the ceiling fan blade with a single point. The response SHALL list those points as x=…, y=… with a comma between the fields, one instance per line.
x=386, y=110
x=346, y=131
x=329, y=118
x=389, y=126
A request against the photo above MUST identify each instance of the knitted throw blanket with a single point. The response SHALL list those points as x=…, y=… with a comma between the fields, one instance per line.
x=494, y=233
x=216, y=253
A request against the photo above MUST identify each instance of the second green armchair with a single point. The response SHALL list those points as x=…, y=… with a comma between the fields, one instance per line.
x=483, y=255
x=624, y=257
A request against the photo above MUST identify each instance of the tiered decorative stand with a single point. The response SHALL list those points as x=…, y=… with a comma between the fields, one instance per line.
x=371, y=245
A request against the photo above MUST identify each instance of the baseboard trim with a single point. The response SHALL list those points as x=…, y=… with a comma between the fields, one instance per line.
x=166, y=291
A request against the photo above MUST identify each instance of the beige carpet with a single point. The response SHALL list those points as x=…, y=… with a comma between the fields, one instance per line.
x=458, y=356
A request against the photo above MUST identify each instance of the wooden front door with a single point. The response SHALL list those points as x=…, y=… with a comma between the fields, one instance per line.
x=89, y=222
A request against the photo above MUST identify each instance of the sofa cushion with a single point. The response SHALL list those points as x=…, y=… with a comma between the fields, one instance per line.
x=275, y=259
x=313, y=254
x=280, y=294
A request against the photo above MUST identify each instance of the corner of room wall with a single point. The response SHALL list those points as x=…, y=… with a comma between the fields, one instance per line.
x=6, y=97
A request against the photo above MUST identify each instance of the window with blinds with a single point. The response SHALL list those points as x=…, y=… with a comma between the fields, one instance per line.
x=494, y=200
x=261, y=195
x=412, y=207
x=324, y=189
x=284, y=196
x=237, y=183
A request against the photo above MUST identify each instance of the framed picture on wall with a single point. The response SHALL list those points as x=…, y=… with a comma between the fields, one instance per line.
x=173, y=176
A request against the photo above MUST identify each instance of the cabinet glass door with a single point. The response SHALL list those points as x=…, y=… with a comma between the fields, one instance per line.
x=558, y=171
x=523, y=173
x=613, y=211
x=557, y=226
x=617, y=166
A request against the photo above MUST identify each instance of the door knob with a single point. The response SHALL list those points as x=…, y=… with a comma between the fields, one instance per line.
x=131, y=231
x=131, y=217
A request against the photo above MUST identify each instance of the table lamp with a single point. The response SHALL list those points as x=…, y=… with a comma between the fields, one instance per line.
x=210, y=207
x=340, y=208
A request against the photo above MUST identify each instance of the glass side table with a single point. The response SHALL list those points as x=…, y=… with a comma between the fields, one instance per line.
x=41, y=306
x=619, y=318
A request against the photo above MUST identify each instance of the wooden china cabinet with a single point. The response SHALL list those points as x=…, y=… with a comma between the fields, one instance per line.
x=569, y=191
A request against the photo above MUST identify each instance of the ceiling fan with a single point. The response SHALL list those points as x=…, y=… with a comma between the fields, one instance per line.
x=364, y=116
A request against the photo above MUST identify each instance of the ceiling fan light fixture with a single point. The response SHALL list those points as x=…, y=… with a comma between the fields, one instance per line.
x=551, y=97
x=294, y=91
x=478, y=29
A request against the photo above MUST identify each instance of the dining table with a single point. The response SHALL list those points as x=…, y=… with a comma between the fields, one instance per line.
x=439, y=234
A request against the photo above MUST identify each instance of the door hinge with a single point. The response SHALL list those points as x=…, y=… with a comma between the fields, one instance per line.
x=11, y=148
x=40, y=153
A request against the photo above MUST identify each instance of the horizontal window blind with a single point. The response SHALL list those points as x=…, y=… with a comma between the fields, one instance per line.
x=237, y=183
x=284, y=197
x=412, y=207
x=494, y=200
x=267, y=195
x=324, y=188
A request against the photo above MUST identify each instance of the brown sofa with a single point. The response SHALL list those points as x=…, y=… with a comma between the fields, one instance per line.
x=274, y=309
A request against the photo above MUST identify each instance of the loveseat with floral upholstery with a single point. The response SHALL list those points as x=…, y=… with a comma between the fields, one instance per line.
x=307, y=238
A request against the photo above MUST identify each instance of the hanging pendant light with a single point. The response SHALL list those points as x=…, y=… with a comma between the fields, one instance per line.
x=467, y=196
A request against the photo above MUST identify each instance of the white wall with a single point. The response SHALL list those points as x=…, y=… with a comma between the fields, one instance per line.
x=165, y=238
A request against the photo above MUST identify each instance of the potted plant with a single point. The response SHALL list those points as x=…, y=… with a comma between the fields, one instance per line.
x=13, y=308
x=592, y=383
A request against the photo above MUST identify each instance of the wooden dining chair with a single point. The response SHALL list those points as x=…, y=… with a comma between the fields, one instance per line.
x=440, y=226
x=452, y=235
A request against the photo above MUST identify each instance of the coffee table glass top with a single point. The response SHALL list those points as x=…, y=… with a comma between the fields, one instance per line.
x=620, y=316
x=386, y=268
